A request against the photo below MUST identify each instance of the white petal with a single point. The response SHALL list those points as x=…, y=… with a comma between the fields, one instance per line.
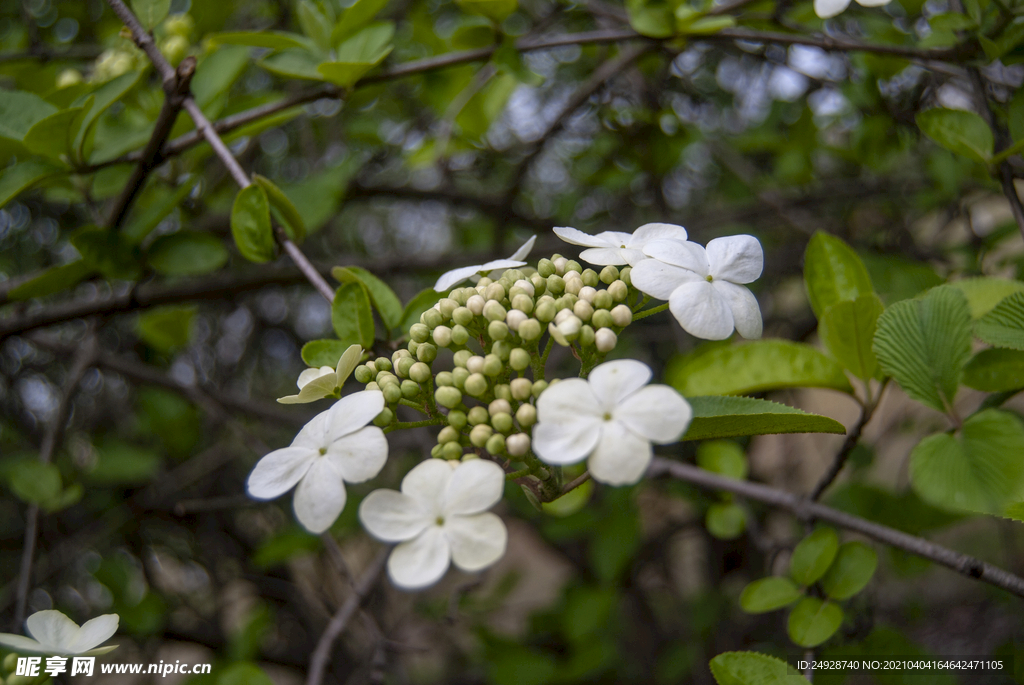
x=279, y=471
x=701, y=311
x=660, y=280
x=311, y=375
x=501, y=264
x=649, y=232
x=53, y=629
x=475, y=486
x=873, y=3
x=576, y=237
x=633, y=256
x=568, y=401
x=604, y=256
x=746, y=313
x=680, y=253
x=427, y=483
x=314, y=434
x=450, y=278
x=313, y=390
x=614, y=381
x=361, y=455
x=320, y=496
x=657, y=413
x=421, y=561
x=390, y=516
x=829, y=8
x=354, y=411
x=616, y=238
x=621, y=457
x=94, y=632
x=526, y=247
x=21, y=644
x=347, y=363
x=476, y=541
x=737, y=258
x=566, y=443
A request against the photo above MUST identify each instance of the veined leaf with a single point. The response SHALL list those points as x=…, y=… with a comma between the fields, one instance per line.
x=98, y=102
x=964, y=133
x=731, y=417
x=382, y=296
x=985, y=292
x=315, y=23
x=833, y=273
x=848, y=328
x=359, y=53
x=216, y=73
x=317, y=353
x=53, y=136
x=250, y=225
x=1004, y=325
x=352, y=316
x=995, y=370
x=724, y=457
x=151, y=12
x=145, y=220
x=725, y=520
x=750, y=668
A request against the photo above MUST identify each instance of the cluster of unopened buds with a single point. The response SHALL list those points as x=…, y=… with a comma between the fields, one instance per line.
x=500, y=419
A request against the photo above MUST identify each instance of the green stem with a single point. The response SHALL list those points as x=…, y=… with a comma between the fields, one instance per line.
x=517, y=474
x=544, y=358
x=414, y=424
x=418, y=407
x=648, y=312
x=647, y=298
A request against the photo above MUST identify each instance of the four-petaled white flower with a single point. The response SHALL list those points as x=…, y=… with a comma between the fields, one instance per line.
x=703, y=286
x=57, y=635
x=316, y=384
x=455, y=276
x=440, y=516
x=334, y=447
x=615, y=248
x=830, y=8
x=612, y=418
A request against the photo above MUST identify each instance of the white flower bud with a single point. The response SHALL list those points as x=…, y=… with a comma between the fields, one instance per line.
x=562, y=315
x=442, y=336
x=526, y=286
x=570, y=327
x=605, y=340
x=560, y=265
x=521, y=388
x=587, y=293
x=583, y=310
x=573, y=286
x=499, y=407
x=514, y=318
x=517, y=444
x=493, y=311
x=621, y=315
x=556, y=335
x=476, y=304
x=475, y=364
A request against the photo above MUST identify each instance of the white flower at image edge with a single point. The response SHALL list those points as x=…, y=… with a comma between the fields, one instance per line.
x=456, y=276
x=440, y=516
x=610, y=419
x=334, y=447
x=704, y=286
x=57, y=635
x=613, y=248
x=830, y=8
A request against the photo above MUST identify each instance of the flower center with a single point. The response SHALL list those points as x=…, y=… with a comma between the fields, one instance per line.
x=439, y=520
x=607, y=416
x=323, y=451
x=709, y=278
x=623, y=247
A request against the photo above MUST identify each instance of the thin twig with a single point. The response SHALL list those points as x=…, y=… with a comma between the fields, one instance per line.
x=844, y=452
x=807, y=509
x=576, y=482
x=44, y=53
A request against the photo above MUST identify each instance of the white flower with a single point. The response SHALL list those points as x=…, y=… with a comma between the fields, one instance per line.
x=454, y=276
x=615, y=248
x=612, y=418
x=830, y=8
x=57, y=635
x=703, y=286
x=336, y=446
x=439, y=516
x=316, y=384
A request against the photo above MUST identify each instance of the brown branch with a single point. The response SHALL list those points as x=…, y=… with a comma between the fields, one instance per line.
x=807, y=509
x=44, y=53
x=842, y=455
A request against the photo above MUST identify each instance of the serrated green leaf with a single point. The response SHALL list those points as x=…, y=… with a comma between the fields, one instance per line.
x=924, y=344
x=317, y=353
x=495, y=10
x=851, y=571
x=53, y=280
x=750, y=668
x=351, y=315
x=833, y=273
x=381, y=295
x=1004, y=325
x=813, y=621
x=978, y=470
x=290, y=216
x=985, y=292
x=723, y=457
x=19, y=111
x=847, y=329
x=22, y=176
x=275, y=40
x=187, y=253
x=151, y=12
x=769, y=594
x=813, y=555
x=995, y=370
x=754, y=367
x=423, y=301
x=250, y=225
x=964, y=133
x=166, y=328
x=731, y=417
x=725, y=520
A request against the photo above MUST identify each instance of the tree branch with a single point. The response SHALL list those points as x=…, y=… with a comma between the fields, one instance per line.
x=805, y=508
x=852, y=438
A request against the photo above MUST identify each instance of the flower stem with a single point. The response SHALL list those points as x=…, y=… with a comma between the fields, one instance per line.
x=576, y=482
x=418, y=407
x=643, y=302
x=414, y=424
x=544, y=358
x=648, y=312
x=517, y=474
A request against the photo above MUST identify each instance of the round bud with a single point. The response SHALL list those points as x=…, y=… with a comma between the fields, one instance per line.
x=447, y=306
x=442, y=336
x=603, y=300
x=403, y=365
x=426, y=353
x=463, y=316
x=432, y=318
x=562, y=315
x=556, y=284
x=179, y=25
x=618, y=290
x=419, y=372
x=363, y=374
x=410, y=389
x=419, y=332
x=502, y=422
x=514, y=275
x=451, y=451
x=492, y=365
x=477, y=415
x=587, y=336
x=622, y=315
x=461, y=356
x=559, y=263
x=502, y=348
x=590, y=278
x=493, y=311
x=583, y=309
x=495, y=444
x=526, y=285
x=459, y=376
x=459, y=297
x=480, y=434
x=602, y=318
x=624, y=275
x=587, y=293
x=519, y=359
x=573, y=265
x=567, y=301
x=530, y=329
x=448, y=434
x=521, y=388
x=546, y=309
x=545, y=268
x=497, y=330
x=502, y=392
x=413, y=345
x=476, y=385
x=514, y=318
x=523, y=303
x=392, y=393
x=605, y=339
x=573, y=286
x=499, y=406
x=539, y=387
x=475, y=364
x=174, y=48
x=384, y=418
x=475, y=304
x=539, y=284
x=437, y=451
x=526, y=415
x=448, y=397
x=494, y=291
x=386, y=378
x=460, y=336
x=456, y=419
x=483, y=283
x=517, y=445
x=383, y=364
x=609, y=274
x=444, y=379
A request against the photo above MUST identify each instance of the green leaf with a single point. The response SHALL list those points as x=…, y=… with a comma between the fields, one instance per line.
x=121, y=463
x=34, y=482
x=216, y=73
x=847, y=329
x=166, y=328
x=851, y=571
x=382, y=296
x=275, y=40
x=725, y=520
x=243, y=673
x=53, y=280
x=995, y=370
x=924, y=344
x=358, y=54
x=423, y=301
x=724, y=457
x=19, y=111
x=896, y=278
x=293, y=64
x=1004, y=325
x=984, y=293
x=290, y=217
x=22, y=176
x=517, y=665
x=833, y=273
x=358, y=15
x=53, y=136
x=769, y=594
x=284, y=546
x=352, y=316
x=1015, y=116
x=750, y=668
x=143, y=221
x=105, y=251
x=98, y=102
x=959, y=131
x=651, y=19
x=731, y=417
x=250, y=225
x=495, y=10
x=317, y=353
x=813, y=556
x=979, y=470
x=754, y=367
x=315, y=24
x=707, y=26
x=813, y=621
x=187, y=253
x=151, y=12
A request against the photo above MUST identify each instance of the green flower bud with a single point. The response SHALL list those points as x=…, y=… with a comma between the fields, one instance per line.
x=526, y=415
x=462, y=316
x=460, y=336
x=404, y=364
x=437, y=451
x=499, y=406
x=519, y=359
x=622, y=315
x=363, y=374
x=514, y=275
x=624, y=275
x=573, y=265
x=477, y=415
x=493, y=311
x=476, y=385
x=410, y=389
x=372, y=386
x=461, y=356
x=502, y=422
x=480, y=434
x=502, y=392
x=502, y=348
x=567, y=301
x=448, y=434
x=539, y=387
x=444, y=379
x=447, y=306
x=456, y=419
x=591, y=278
x=385, y=378
x=609, y=274
x=492, y=365
x=521, y=388
x=523, y=303
x=419, y=332
x=530, y=329
x=459, y=376
x=618, y=290
x=521, y=288
x=419, y=372
x=495, y=291
x=605, y=339
x=448, y=397
x=383, y=364
x=602, y=318
x=459, y=296
x=432, y=318
x=495, y=444
x=385, y=418
x=442, y=336
x=518, y=444
x=426, y=352
x=556, y=284
x=603, y=300
x=392, y=393
x=413, y=346
x=587, y=336
x=546, y=309
x=451, y=451
x=545, y=268
x=583, y=310
x=497, y=330
x=539, y=283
